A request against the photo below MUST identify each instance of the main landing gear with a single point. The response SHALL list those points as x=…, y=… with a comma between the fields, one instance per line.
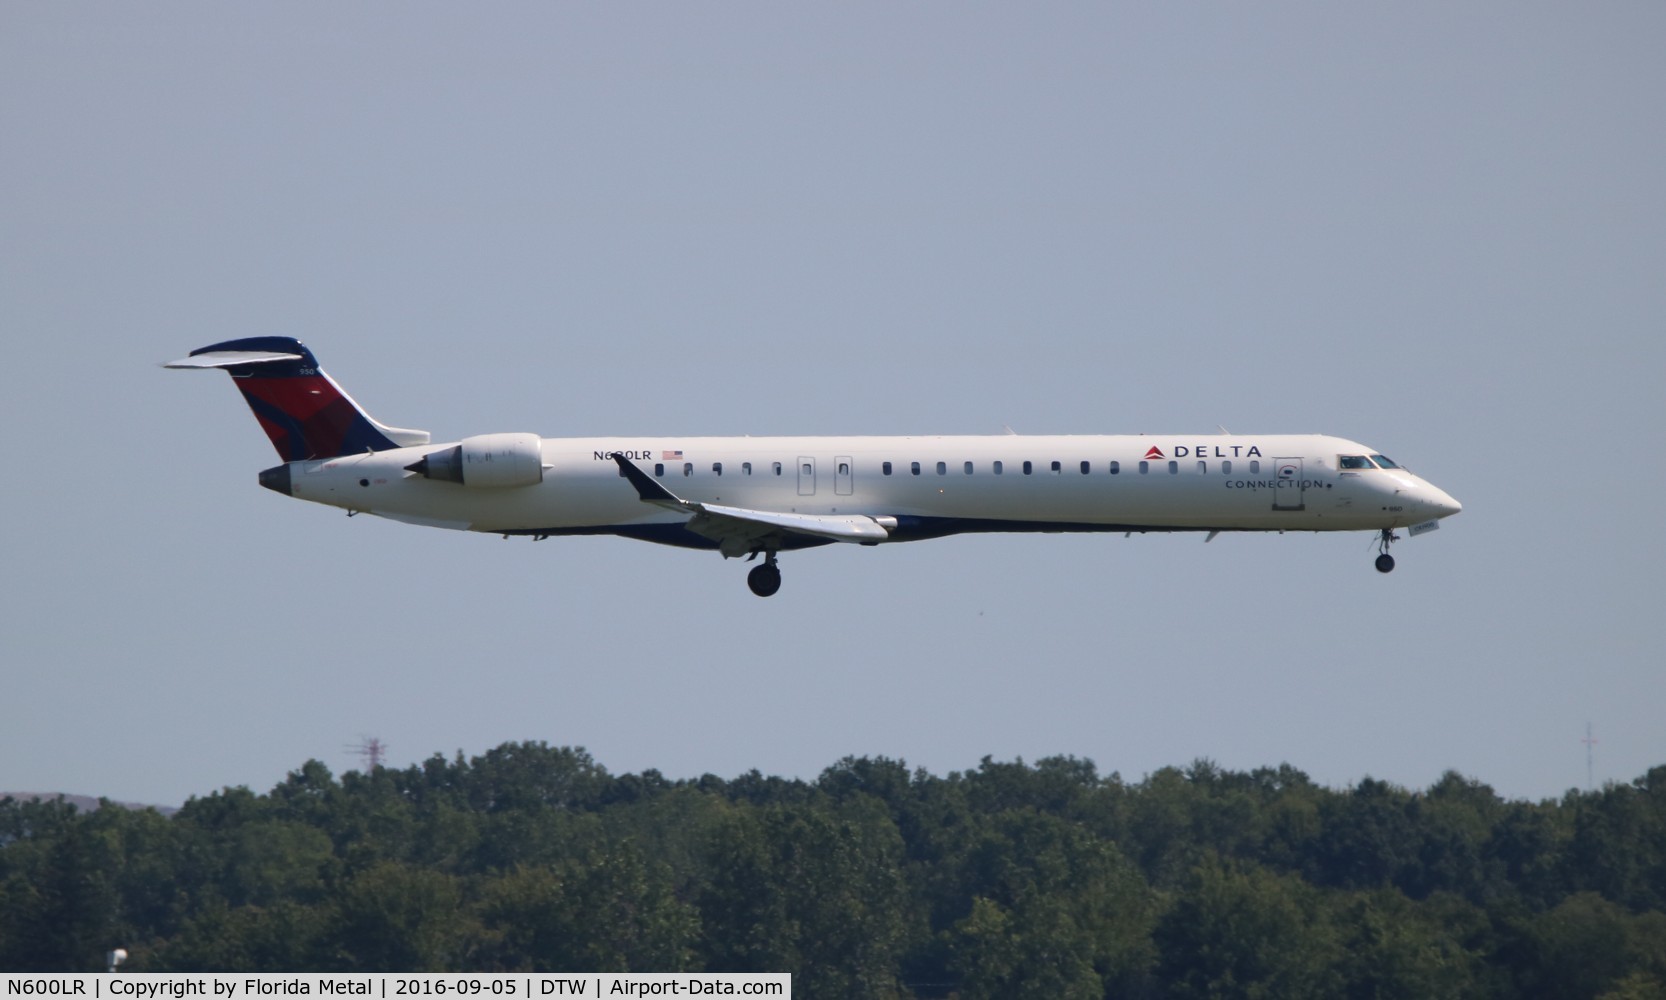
x=1385, y=562
x=765, y=579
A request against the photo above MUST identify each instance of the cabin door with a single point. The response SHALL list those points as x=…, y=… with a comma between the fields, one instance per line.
x=1287, y=492
x=806, y=476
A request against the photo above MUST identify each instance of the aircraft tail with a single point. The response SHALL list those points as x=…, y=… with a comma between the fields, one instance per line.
x=305, y=413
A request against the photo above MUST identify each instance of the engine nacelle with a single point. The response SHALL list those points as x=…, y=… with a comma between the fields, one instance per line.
x=486, y=460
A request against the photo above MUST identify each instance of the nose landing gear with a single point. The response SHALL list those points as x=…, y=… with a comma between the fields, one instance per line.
x=765, y=579
x=1385, y=562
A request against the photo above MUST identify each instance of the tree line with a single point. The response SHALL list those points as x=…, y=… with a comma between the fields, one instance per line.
x=1010, y=880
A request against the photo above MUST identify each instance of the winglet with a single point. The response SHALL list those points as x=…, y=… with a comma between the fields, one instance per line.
x=647, y=487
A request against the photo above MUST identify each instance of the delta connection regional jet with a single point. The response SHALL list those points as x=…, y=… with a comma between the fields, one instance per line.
x=752, y=496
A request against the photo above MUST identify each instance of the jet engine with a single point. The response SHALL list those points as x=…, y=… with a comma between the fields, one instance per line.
x=486, y=460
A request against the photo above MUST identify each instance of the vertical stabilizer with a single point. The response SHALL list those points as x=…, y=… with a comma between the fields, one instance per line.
x=302, y=409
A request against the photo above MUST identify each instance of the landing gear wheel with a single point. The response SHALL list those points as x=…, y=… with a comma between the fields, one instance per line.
x=1385, y=562
x=764, y=580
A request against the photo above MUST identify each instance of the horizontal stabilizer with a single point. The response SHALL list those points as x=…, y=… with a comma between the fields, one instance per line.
x=229, y=359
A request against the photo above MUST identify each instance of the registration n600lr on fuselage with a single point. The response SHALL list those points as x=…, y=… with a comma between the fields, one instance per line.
x=760, y=496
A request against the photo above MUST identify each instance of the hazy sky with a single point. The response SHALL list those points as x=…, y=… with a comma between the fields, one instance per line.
x=1439, y=229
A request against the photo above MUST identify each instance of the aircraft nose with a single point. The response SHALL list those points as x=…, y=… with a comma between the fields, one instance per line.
x=1440, y=502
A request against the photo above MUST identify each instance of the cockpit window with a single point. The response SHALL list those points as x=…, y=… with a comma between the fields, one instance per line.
x=1383, y=462
x=1354, y=462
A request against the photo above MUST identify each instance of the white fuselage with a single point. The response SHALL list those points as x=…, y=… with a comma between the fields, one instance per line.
x=930, y=486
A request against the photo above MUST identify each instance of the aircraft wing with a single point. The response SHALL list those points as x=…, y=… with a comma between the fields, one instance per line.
x=839, y=527
x=739, y=529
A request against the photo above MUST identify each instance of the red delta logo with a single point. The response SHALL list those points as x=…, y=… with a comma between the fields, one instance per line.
x=1154, y=452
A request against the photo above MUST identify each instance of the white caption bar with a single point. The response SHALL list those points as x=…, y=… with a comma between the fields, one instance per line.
x=394, y=986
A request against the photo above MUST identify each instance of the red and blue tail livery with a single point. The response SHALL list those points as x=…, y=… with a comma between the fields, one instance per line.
x=302, y=409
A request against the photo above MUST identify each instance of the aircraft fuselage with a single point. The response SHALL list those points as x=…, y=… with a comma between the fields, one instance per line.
x=751, y=496
x=931, y=486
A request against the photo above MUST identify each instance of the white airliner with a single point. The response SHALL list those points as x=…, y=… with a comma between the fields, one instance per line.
x=751, y=496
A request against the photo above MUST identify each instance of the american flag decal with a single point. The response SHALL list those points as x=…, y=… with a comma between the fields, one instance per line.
x=667, y=455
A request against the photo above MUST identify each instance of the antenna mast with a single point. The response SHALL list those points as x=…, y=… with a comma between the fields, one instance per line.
x=372, y=751
x=1589, y=741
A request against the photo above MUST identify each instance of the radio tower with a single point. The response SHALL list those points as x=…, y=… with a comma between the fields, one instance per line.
x=1589, y=741
x=372, y=750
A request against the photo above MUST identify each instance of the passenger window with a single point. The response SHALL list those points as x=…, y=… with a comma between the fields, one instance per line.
x=717, y=468
x=885, y=468
x=688, y=468
x=804, y=469
x=844, y=468
x=776, y=466
x=1255, y=467
x=1354, y=462
x=659, y=468
x=914, y=467
x=1085, y=468
x=1026, y=468
x=1202, y=467
x=997, y=467
x=1116, y=467
x=746, y=468
x=1145, y=467
x=1226, y=467
x=1174, y=467
x=942, y=468
x=1056, y=468
x=968, y=468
